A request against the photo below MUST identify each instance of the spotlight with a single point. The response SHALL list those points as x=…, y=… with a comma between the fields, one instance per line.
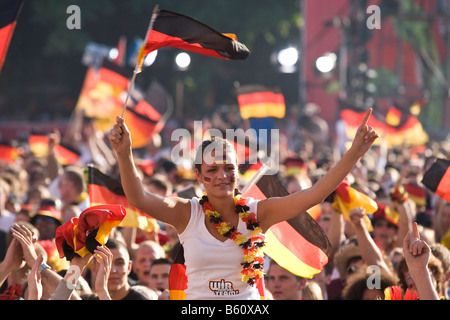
x=326, y=63
x=183, y=60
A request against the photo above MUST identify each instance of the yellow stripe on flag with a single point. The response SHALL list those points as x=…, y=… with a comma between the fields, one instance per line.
x=262, y=110
x=278, y=252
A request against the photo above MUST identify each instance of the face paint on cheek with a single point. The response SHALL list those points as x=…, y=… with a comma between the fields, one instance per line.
x=206, y=179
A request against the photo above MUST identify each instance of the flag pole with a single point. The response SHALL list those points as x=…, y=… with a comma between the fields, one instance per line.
x=140, y=59
x=262, y=171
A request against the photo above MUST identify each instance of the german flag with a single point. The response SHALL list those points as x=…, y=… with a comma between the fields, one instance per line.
x=177, y=277
x=299, y=244
x=142, y=121
x=9, y=12
x=408, y=131
x=260, y=102
x=295, y=166
x=416, y=193
x=437, y=178
x=177, y=274
x=82, y=235
x=38, y=145
x=345, y=198
x=101, y=95
x=172, y=29
x=8, y=153
x=64, y=153
x=105, y=190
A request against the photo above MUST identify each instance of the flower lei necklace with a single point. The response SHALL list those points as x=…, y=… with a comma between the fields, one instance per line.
x=252, y=244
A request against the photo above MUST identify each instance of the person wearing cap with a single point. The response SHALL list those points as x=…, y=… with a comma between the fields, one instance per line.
x=47, y=219
x=385, y=223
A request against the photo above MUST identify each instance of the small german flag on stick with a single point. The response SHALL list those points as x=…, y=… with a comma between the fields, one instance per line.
x=170, y=29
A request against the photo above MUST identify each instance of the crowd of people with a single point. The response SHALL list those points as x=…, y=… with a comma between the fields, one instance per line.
x=371, y=254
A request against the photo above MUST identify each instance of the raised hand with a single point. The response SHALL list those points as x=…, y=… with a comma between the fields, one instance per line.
x=365, y=135
x=416, y=251
x=34, y=280
x=417, y=255
x=119, y=136
x=26, y=238
x=104, y=257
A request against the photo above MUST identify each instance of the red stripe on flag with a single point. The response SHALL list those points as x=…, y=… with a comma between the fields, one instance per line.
x=260, y=97
x=142, y=122
x=100, y=194
x=5, y=38
x=157, y=40
x=443, y=189
x=9, y=12
x=261, y=104
x=255, y=193
x=179, y=31
x=8, y=153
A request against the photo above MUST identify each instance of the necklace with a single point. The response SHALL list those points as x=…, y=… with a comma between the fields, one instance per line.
x=252, y=244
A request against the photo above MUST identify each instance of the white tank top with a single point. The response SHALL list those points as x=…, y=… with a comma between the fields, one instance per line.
x=213, y=267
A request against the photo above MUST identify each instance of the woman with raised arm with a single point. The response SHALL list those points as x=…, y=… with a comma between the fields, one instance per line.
x=223, y=233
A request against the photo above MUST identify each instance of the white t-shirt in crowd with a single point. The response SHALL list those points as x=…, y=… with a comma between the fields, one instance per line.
x=213, y=267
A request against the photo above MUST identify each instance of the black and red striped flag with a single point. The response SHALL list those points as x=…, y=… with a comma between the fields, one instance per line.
x=299, y=245
x=437, y=178
x=9, y=12
x=172, y=29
